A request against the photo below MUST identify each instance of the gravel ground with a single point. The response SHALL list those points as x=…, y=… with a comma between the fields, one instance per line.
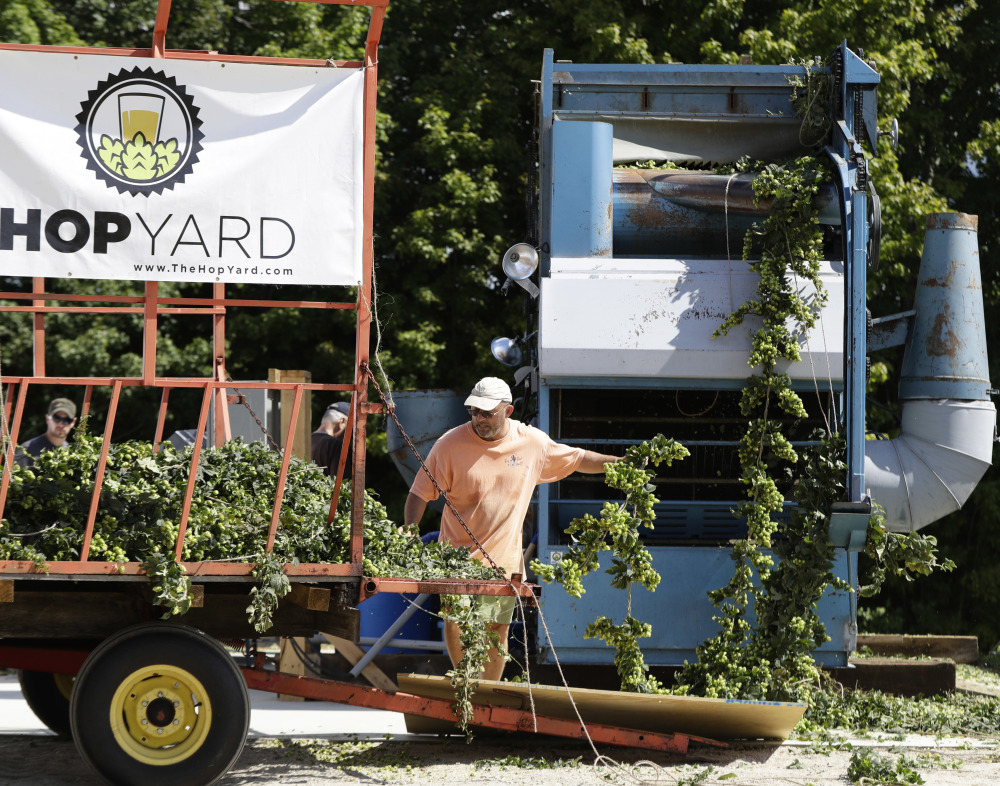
x=46, y=760
x=313, y=743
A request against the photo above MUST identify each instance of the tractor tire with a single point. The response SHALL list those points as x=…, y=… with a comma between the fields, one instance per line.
x=48, y=696
x=160, y=703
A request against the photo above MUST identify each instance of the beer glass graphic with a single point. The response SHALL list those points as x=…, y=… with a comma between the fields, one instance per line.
x=140, y=113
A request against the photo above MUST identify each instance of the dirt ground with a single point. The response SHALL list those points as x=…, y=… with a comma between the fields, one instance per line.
x=284, y=748
x=43, y=760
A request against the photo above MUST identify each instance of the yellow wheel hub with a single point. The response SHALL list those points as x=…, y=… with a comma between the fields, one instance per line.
x=64, y=682
x=160, y=714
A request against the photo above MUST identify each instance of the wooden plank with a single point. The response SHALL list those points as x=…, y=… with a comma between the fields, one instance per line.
x=309, y=597
x=6, y=590
x=301, y=439
x=961, y=649
x=84, y=614
x=80, y=615
x=197, y=596
x=225, y=616
x=977, y=688
x=291, y=661
x=714, y=718
x=344, y=621
x=371, y=672
x=899, y=676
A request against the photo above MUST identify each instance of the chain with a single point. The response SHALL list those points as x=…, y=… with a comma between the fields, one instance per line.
x=520, y=600
x=263, y=428
x=441, y=491
x=502, y=573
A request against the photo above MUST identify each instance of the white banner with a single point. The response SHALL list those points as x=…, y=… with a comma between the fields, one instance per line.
x=179, y=170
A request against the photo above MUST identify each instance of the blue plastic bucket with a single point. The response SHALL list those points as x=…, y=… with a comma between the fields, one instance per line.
x=380, y=611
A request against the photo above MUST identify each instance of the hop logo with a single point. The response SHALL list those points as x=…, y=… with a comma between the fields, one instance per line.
x=139, y=131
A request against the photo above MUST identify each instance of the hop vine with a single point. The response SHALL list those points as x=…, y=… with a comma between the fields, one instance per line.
x=618, y=530
x=785, y=563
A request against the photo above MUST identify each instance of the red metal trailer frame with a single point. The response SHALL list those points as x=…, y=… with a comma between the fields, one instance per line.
x=488, y=716
x=151, y=307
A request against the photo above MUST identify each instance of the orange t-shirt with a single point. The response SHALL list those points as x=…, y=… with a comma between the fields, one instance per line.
x=491, y=483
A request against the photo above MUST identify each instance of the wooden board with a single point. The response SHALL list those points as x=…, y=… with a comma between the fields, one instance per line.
x=719, y=719
x=353, y=653
x=961, y=649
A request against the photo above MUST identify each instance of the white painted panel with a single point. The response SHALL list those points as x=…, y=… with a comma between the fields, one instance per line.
x=656, y=317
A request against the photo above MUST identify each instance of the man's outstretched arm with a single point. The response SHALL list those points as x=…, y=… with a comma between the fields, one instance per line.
x=593, y=463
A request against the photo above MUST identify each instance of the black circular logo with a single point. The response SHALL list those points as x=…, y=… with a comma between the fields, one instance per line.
x=139, y=131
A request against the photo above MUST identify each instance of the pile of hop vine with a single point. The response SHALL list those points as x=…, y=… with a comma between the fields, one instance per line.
x=138, y=519
x=141, y=499
x=142, y=496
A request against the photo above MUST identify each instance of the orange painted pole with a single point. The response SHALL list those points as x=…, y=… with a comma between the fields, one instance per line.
x=22, y=399
x=149, y=328
x=160, y=28
x=342, y=463
x=102, y=463
x=161, y=419
x=63, y=568
x=221, y=432
x=206, y=402
x=137, y=300
x=8, y=404
x=365, y=290
x=88, y=393
x=286, y=460
x=15, y=427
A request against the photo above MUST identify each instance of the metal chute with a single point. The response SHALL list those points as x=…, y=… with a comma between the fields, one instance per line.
x=949, y=423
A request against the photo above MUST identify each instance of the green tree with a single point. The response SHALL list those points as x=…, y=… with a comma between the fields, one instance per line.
x=35, y=22
x=951, y=147
x=106, y=345
x=457, y=107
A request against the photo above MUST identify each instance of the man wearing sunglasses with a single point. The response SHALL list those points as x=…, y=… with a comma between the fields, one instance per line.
x=489, y=468
x=59, y=421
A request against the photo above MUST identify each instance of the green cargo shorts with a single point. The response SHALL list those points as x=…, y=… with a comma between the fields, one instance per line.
x=492, y=608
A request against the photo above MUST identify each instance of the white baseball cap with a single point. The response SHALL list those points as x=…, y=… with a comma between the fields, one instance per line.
x=488, y=392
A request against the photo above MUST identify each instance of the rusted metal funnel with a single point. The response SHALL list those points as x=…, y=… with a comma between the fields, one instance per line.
x=945, y=354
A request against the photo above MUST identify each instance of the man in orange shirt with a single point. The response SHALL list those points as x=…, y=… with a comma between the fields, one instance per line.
x=489, y=468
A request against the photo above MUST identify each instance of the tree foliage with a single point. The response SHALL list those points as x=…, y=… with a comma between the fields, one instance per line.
x=457, y=106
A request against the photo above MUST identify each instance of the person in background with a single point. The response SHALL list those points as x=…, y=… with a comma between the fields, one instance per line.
x=328, y=439
x=59, y=421
x=489, y=468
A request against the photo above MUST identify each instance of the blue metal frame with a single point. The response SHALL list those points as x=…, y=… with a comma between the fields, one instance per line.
x=848, y=158
x=756, y=94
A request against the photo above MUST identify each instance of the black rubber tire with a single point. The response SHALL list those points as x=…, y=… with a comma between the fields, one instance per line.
x=160, y=679
x=48, y=697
